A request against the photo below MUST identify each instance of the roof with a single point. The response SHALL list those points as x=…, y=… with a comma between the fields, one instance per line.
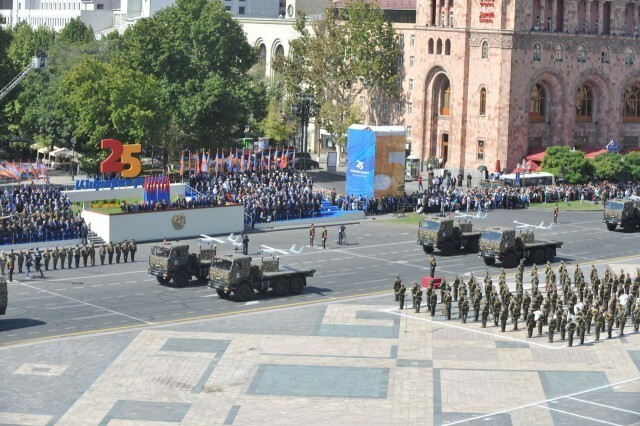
x=537, y=155
x=380, y=130
x=385, y=4
x=594, y=154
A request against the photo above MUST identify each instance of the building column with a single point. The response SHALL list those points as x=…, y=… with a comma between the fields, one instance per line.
x=636, y=19
x=543, y=16
x=446, y=14
x=600, y=28
x=587, y=16
x=554, y=14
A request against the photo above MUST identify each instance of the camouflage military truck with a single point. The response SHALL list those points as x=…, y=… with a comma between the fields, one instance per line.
x=623, y=213
x=447, y=236
x=4, y=295
x=237, y=274
x=508, y=246
x=174, y=262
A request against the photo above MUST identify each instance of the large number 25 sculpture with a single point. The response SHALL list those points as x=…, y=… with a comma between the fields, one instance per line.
x=120, y=156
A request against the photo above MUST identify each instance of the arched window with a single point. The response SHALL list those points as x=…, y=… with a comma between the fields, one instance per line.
x=447, y=47
x=559, y=53
x=485, y=49
x=280, y=50
x=584, y=104
x=537, y=52
x=537, y=104
x=582, y=54
x=431, y=46
x=439, y=47
x=262, y=58
x=631, y=112
x=483, y=101
x=628, y=56
x=604, y=56
x=445, y=99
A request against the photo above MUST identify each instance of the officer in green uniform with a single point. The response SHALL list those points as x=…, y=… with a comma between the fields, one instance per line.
x=46, y=256
x=133, y=248
x=622, y=318
x=85, y=255
x=433, y=303
x=77, y=253
x=599, y=320
x=102, y=252
x=396, y=286
x=516, y=315
x=110, y=251
x=92, y=254
x=581, y=327
x=63, y=256
x=465, y=310
x=531, y=323
x=610, y=319
x=55, y=255
x=418, y=299
x=636, y=316
x=552, y=328
x=504, y=314
x=485, y=313
x=401, y=295
x=118, y=250
x=70, y=257
x=447, y=303
x=456, y=287
x=414, y=293
x=3, y=262
x=571, y=329
x=432, y=263
x=125, y=250
x=20, y=261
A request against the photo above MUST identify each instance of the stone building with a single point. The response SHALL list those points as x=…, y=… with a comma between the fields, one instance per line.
x=488, y=81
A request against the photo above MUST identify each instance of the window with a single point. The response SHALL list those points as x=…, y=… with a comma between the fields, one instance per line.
x=439, y=47
x=483, y=101
x=241, y=10
x=445, y=100
x=537, y=52
x=410, y=108
x=410, y=84
x=399, y=82
x=400, y=62
x=400, y=40
x=262, y=58
x=485, y=49
x=412, y=40
x=447, y=47
x=631, y=113
x=604, y=57
x=399, y=107
x=628, y=56
x=442, y=19
x=227, y=8
x=98, y=6
x=582, y=54
x=537, y=104
x=451, y=19
x=431, y=46
x=412, y=61
x=584, y=105
x=559, y=53
x=409, y=131
x=480, y=150
x=362, y=101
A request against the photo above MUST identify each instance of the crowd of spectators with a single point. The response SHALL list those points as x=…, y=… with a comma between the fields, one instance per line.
x=33, y=213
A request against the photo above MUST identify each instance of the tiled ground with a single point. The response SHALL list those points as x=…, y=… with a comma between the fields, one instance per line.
x=360, y=362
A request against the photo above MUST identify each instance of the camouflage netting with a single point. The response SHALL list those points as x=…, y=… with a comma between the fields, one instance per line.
x=527, y=237
x=207, y=254
x=218, y=274
x=157, y=262
x=612, y=214
x=466, y=226
x=271, y=265
x=3, y=295
x=508, y=239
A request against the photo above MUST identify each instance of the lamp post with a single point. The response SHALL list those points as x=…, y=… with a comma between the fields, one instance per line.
x=73, y=155
x=304, y=107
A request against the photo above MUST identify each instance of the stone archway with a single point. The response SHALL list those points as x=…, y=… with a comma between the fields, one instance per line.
x=596, y=130
x=437, y=118
x=545, y=99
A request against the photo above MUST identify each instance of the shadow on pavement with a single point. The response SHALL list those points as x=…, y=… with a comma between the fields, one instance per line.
x=18, y=323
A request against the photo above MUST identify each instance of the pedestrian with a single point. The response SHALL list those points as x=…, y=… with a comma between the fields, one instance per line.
x=10, y=267
x=555, y=214
x=245, y=244
x=401, y=295
x=102, y=252
x=27, y=267
x=414, y=293
x=92, y=254
x=70, y=257
x=312, y=234
x=85, y=255
x=110, y=251
x=571, y=329
x=610, y=319
x=3, y=262
x=485, y=313
x=125, y=250
x=46, y=256
x=622, y=318
x=324, y=237
x=552, y=328
x=396, y=286
x=55, y=255
x=20, y=261
x=599, y=323
x=531, y=323
x=118, y=250
x=465, y=311
x=418, y=300
x=340, y=235
x=447, y=304
x=420, y=187
x=504, y=314
x=434, y=303
x=76, y=255
x=433, y=266
x=581, y=327
x=63, y=257
x=133, y=248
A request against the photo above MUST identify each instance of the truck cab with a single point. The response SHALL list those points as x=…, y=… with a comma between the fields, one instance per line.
x=446, y=235
x=623, y=213
x=169, y=261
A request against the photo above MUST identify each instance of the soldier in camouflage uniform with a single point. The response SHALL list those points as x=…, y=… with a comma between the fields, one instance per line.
x=20, y=261
x=69, y=257
x=46, y=256
x=92, y=254
x=110, y=251
x=118, y=250
x=63, y=257
x=125, y=250
x=401, y=295
x=133, y=248
x=102, y=252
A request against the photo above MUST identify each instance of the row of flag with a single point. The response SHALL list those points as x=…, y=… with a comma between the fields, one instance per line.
x=18, y=170
x=202, y=161
x=156, y=188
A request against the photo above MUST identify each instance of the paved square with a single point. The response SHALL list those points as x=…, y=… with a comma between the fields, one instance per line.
x=146, y=411
x=41, y=369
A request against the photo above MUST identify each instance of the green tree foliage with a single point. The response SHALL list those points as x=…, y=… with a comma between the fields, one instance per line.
x=350, y=52
x=201, y=59
x=275, y=126
x=76, y=31
x=609, y=167
x=632, y=165
x=560, y=159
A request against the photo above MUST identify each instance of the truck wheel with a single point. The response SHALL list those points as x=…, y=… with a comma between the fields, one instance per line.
x=549, y=254
x=611, y=226
x=489, y=261
x=297, y=285
x=163, y=280
x=629, y=227
x=281, y=287
x=427, y=249
x=510, y=260
x=222, y=294
x=447, y=248
x=538, y=256
x=181, y=279
x=243, y=292
x=202, y=277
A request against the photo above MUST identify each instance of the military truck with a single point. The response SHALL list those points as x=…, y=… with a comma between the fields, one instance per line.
x=508, y=246
x=447, y=236
x=169, y=262
x=623, y=213
x=4, y=295
x=237, y=275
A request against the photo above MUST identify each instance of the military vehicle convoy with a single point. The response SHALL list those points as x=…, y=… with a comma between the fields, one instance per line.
x=4, y=295
x=447, y=236
x=236, y=274
x=508, y=247
x=623, y=213
x=169, y=262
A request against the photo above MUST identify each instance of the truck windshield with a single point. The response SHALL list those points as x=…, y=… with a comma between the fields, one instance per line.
x=492, y=236
x=615, y=205
x=222, y=264
x=161, y=251
x=430, y=224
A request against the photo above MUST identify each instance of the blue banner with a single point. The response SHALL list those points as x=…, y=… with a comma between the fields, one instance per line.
x=108, y=184
x=361, y=153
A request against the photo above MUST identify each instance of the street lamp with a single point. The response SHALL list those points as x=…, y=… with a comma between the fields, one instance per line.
x=73, y=155
x=304, y=107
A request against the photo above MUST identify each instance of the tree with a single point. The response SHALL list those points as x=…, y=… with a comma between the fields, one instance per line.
x=276, y=126
x=572, y=164
x=609, y=167
x=351, y=52
x=76, y=31
x=632, y=165
x=201, y=59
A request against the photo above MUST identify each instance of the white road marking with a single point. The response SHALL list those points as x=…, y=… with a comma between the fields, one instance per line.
x=68, y=306
x=33, y=298
x=131, y=282
x=253, y=302
x=602, y=405
x=330, y=282
x=94, y=316
x=97, y=285
x=577, y=415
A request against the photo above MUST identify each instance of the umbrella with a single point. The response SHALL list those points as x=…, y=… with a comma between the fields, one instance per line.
x=482, y=168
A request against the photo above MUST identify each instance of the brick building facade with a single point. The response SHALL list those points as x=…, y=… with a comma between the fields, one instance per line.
x=490, y=81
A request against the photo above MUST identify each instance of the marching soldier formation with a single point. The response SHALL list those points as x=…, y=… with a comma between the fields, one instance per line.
x=568, y=307
x=50, y=259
